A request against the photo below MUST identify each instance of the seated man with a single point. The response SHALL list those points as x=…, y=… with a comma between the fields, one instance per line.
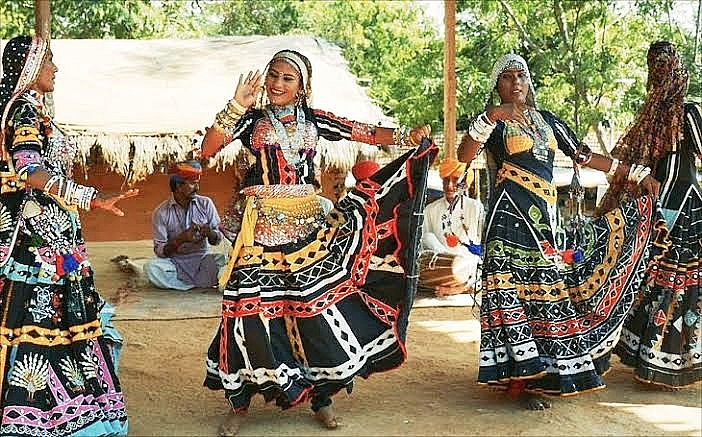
x=451, y=242
x=183, y=225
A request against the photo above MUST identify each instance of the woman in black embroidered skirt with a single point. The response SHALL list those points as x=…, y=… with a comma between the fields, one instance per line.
x=662, y=338
x=549, y=318
x=311, y=301
x=58, y=370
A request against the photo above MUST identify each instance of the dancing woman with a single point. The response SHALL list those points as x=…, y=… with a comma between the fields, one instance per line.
x=310, y=301
x=661, y=337
x=57, y=371
x=549, y=319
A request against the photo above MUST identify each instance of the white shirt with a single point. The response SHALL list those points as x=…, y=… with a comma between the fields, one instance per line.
x=466, y=223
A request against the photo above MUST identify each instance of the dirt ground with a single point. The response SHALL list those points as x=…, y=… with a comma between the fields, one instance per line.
x=433, y=393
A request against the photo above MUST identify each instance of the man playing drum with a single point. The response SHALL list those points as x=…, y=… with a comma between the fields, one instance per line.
x=451, y=236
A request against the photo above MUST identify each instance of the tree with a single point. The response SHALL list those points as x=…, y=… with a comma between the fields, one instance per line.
x=587, y=58
x=257, y=17
x=133, y=19
x=392, y=46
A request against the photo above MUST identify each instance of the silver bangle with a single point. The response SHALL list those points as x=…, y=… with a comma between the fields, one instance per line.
x=637, y=173
x=613, y=168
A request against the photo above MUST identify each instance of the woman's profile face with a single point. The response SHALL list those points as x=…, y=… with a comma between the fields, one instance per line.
x=282, y=83
x=47, y=75
x=513, y=86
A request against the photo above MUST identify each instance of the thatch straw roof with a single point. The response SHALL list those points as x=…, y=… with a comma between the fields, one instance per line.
x=141, y=101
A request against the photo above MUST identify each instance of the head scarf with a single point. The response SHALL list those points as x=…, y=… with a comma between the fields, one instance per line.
x=451, y=167
x=21, y=61
x=184, y=171
x=303, y=66
x=513, y=62
x=364, y=169
x=658, y=124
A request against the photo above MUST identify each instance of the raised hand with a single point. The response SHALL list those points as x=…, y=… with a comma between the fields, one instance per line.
x=107, y=201
x=416, y=134
x=248, y=88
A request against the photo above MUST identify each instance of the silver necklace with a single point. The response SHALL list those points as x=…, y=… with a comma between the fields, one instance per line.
x=289, y=144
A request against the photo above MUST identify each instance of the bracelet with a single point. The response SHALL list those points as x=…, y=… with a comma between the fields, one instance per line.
x=226, y=119
x=234, y=107
x=71, y=192
x=481, y=128
x=50, y=183
x=613, y=168
x=637, y=173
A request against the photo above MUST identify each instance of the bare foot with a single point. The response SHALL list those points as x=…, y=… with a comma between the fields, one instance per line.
x=326, y=417
x=536, y=403
x=230, y=426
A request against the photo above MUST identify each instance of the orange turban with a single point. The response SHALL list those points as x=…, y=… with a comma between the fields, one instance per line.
x=186, y=170
x=364, y=169
x=451, y=167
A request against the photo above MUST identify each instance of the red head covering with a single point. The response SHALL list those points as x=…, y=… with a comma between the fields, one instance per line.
x=186, y=170
x=364, y=169
x=658, y=124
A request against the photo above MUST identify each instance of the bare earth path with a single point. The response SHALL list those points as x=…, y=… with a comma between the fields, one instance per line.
x=433, y=393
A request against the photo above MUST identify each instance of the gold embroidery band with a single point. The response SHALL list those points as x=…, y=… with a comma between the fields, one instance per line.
x=49, y=337
x=530, y=181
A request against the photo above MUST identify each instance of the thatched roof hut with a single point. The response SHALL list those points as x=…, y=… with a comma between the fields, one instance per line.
x=139, y=103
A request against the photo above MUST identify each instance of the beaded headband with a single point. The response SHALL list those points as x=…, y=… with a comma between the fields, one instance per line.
x=296, y=61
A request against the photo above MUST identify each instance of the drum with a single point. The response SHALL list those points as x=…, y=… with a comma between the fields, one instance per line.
x=436, y=274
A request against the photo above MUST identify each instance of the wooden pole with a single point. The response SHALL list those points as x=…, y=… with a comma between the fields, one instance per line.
x=42, y=19
x=42, y=28
x=450, y=78
x=698, y=33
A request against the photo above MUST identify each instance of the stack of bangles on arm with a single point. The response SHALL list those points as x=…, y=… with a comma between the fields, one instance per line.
x=226, y=119
x=71, y=192
x=637, y=173
x=481, y=128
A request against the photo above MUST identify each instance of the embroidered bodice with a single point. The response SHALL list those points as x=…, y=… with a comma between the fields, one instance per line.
x=29, y=130
x=532, y=148
x=290, y=160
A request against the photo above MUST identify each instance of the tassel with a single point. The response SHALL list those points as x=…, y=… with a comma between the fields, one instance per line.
x=59, y=265
x=475, y=249
x=78, y=255
x=567, y=256
x=451, y=240
x=70, y=264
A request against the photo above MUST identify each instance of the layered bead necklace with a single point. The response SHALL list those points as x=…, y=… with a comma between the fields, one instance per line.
x=290, y=142
x=538, y=130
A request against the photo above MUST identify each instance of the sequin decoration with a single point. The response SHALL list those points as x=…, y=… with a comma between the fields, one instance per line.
x=280, y=223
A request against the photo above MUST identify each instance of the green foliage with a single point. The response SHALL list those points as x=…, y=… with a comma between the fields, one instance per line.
x=390, y=44
x=121, y=19
x=17, y=18
x=587, y=59
x=258, y=17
